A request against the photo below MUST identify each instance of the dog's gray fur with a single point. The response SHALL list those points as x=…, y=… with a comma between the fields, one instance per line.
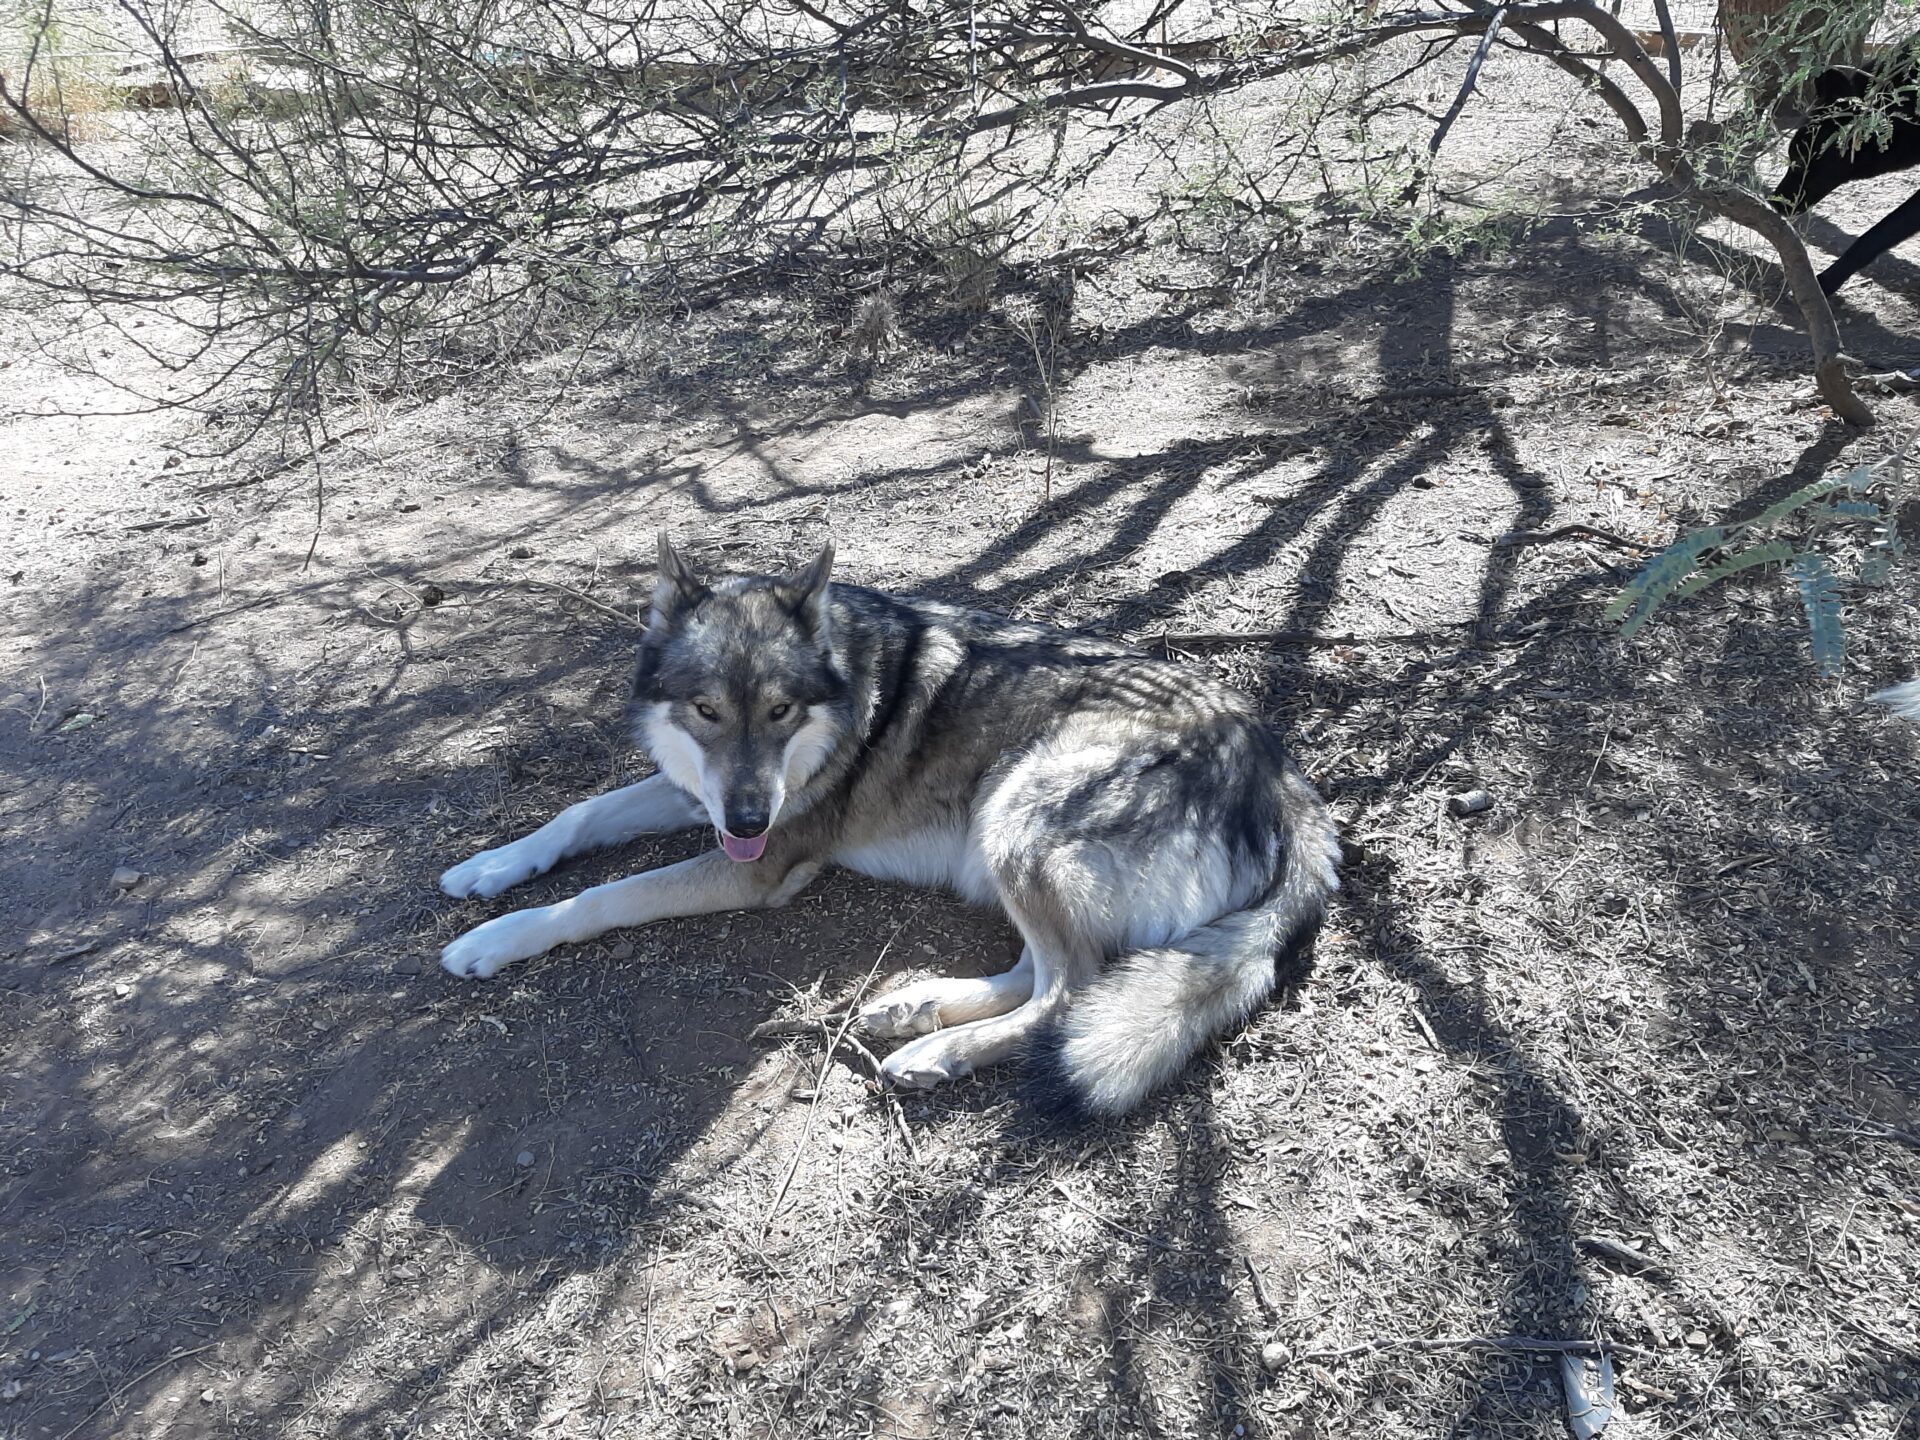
x=1140, y=824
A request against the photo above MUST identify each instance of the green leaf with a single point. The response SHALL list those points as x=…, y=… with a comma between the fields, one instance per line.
x=1660, y=576
x=1857, y=478
x=1820, y=598
x=1771, y=553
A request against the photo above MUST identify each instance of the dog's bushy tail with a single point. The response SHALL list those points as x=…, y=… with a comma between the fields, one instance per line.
x=1137, y=1026
x=1903, y=700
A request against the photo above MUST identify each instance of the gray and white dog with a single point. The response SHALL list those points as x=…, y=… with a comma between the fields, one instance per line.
x=1140, y=824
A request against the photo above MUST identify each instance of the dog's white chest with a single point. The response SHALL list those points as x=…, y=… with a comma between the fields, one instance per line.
x=925, y=857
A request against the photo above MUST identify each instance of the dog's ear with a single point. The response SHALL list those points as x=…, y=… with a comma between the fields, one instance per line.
x=676, y=588
x=806, y=593
x=1841, y=82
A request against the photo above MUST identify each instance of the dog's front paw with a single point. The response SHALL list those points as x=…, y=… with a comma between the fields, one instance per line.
x=487, y=949
x=925, y=1063
x=492, y=871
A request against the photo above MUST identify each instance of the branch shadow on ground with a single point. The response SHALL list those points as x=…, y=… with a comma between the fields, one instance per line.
x=254, y=1105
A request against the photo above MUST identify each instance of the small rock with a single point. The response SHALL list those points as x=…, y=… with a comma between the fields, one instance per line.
x=520, y=552
x=208, y=1396
x=430, y=594
x=125, y=877
x=1469, y=802
x=623, y=950
x=523, y=1159
x=1697, y=1339
x=407, y=507
x=122, y=990
x=12, y=1390
x=1274, y=1356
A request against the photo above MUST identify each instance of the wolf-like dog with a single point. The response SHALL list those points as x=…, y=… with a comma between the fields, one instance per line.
x=1139, y=823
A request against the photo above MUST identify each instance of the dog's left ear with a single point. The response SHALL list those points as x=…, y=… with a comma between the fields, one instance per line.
x=675, y=588
x=806, y=593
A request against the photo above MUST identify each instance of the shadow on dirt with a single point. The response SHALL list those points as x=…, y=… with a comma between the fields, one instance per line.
x=267, y=1166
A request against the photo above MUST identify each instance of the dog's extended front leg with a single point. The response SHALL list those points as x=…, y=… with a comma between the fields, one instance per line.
x=654, y=806
x=700, y=886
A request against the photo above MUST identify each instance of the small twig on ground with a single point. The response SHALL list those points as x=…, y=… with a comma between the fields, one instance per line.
x=1576, y=530
x=253, y=604
x=180, y=522
x=114, y=1397
x=786, y=1029
x=1419, y=392
x=1621, y=1253
x=587, y=600
x=1874, y=1129
x=1294, y=637
x=261, y=477
x=410, y=593
x=824, y=1027
x=1520, y=1343
x=1259, y=1290
x=820, y=1084
x=1086, y=1209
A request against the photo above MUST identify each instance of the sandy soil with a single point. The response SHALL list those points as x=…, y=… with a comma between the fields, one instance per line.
x=1631, y=1055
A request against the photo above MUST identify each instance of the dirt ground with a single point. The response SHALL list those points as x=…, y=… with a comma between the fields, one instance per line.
x=1632, y=1056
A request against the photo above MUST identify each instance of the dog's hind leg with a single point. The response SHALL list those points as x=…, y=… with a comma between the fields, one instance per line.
x=653, y=806
x=927, y=1005
x=701, y=886
x=1058, y=958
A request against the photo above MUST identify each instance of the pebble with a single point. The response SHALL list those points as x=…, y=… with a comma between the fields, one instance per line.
x=1469, y=802
x=125, y=877
x=520, y=552
x=622, y=950
x=1275, y=1356
x=523, y=1159
x=122, y=990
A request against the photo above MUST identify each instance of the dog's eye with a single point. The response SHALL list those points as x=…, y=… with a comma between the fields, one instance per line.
x=706, y=711
x=780, y=711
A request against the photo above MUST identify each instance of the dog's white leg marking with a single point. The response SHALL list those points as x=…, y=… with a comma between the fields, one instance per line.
x=956, y=1053
x=924, y=1007
x=655, y=805
x=700, y=886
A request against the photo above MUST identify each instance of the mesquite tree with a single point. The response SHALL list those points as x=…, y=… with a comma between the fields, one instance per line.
x=301, y=189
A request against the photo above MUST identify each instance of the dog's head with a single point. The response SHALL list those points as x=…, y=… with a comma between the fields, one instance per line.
x=738, y=696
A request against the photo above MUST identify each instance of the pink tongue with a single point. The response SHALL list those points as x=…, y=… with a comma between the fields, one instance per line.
x=738, y=849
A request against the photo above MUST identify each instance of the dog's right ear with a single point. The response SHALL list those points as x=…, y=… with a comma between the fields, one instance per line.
x=676, y=589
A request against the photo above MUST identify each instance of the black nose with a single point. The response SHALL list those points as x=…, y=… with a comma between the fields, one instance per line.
x=747, y=823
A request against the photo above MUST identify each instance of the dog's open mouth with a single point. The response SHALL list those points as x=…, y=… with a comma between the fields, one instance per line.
x=742, y=849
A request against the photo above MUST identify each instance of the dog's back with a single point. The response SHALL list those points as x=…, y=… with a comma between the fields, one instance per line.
x=1819, y=159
